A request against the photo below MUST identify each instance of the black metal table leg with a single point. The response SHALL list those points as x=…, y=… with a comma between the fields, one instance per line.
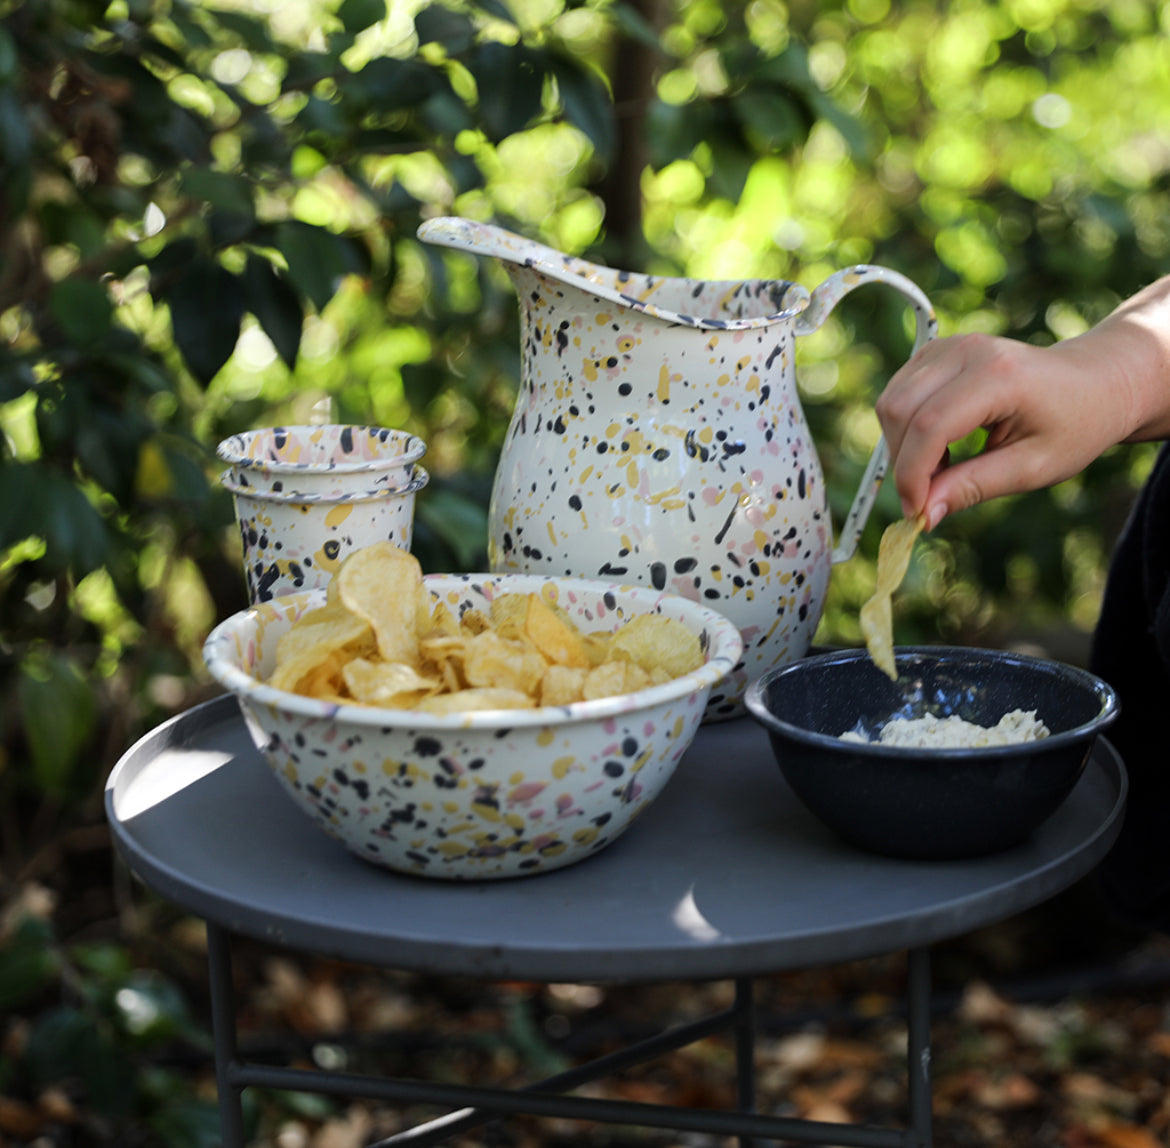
x=223, y=1030
x=918, y=1134
x=745, y=1051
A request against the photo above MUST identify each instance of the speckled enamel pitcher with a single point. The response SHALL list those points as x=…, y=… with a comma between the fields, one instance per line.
x=658, y=438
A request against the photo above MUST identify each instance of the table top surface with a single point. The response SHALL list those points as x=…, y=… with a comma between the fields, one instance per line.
x=732, y=879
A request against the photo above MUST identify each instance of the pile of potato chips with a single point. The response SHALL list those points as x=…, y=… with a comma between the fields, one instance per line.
x=877, y=615
x=380, y=640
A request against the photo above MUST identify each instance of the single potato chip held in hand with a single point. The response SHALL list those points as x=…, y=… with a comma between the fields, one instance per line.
x=877, y=615
x=381, y=641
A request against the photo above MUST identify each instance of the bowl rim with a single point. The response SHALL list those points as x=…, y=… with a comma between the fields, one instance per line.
x=723, y=655
x=307, y=498
x=413, y=449
x=1110, y=706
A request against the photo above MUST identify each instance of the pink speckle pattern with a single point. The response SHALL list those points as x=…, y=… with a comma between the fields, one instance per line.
x=484, y=795
x=658, y=439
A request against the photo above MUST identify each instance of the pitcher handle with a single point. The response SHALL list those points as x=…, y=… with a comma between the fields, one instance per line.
x=821, y=303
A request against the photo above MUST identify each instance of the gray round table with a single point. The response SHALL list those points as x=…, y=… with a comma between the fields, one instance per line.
x=725, y=876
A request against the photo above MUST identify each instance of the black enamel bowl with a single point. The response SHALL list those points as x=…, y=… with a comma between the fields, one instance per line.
x=930, y=804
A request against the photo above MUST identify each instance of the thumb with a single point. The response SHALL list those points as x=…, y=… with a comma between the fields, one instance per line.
x=979, y=479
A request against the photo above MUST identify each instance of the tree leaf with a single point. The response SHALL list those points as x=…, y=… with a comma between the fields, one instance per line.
x=457, y=522
x=387, y=84
x=358, y=15
x=73, y=223
x=149, y=1007
x=27, y=963
x=253, y=32
x=58, y=711
x=495, y=8
x=107, y=445
x=82, y=309
x=277, y=307
x=221, y=189
x=67, y=1042
x=317, y=259
x=771, y=116
x=510, y=81
x=15, y=133
x=74, y=532
x=183, y=1121
x=8, y=56
x=634, y=25
x=445, y=114
x=323, y=117
x=207, y=306
x=21, y=495
x=587, y=104
x=436, y=24
x=673, y=131
x=188, y=474
x=227, y=228
x=790, y=70
x=16, y=377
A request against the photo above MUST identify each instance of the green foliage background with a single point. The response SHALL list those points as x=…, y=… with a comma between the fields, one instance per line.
x=207, y=218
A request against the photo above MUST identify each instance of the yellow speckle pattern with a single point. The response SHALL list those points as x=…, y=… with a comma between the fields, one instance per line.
x=291, y=546
x=660, y=430
x=458, y=802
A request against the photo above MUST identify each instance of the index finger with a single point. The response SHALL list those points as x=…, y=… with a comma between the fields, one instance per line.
x=900, y=410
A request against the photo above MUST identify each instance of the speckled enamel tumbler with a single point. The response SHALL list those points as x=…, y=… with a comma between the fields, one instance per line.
x=306, y=497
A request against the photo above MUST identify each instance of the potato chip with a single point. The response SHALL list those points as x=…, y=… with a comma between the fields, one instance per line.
x=562, y=685
x=508, y=614
x=441, y=621
x=473, y=621
x=484, y=698
x=392, y=684
x=596, y=647
x=324, y=680
x=380, y=583
x=312, y=641
x=558, y=640
x=611, y=678
x=877, y=615
x=444, y=654
x=653, y=640
x=492, y=661
x=381, y=640
x=877, y=628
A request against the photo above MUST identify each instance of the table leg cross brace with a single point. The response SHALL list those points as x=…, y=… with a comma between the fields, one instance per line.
x=478, y=1106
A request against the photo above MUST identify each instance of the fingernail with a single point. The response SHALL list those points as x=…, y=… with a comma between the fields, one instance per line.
x=935, y=514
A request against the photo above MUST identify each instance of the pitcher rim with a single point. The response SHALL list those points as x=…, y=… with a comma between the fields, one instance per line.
x=477, y=238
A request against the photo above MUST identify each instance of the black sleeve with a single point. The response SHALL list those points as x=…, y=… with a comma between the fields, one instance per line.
x=1131, y=651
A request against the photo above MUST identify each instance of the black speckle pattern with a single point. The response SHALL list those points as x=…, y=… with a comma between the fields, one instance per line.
x=521, y=792
x=657, y=425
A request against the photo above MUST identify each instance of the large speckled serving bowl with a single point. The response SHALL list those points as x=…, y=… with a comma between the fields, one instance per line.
x=930, y=804
x=481, y=795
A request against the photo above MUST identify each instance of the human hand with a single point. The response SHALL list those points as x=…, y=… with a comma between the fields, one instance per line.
x=1048, y=411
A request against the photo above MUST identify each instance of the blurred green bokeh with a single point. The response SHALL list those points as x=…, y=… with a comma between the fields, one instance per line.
x=207, y=220
x=207, y=223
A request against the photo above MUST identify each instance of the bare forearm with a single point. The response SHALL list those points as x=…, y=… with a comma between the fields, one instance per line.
x=1048, y=412
x=1135, y=338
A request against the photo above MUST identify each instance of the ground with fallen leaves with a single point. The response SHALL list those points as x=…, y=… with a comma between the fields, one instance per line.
x=1051, y=1029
